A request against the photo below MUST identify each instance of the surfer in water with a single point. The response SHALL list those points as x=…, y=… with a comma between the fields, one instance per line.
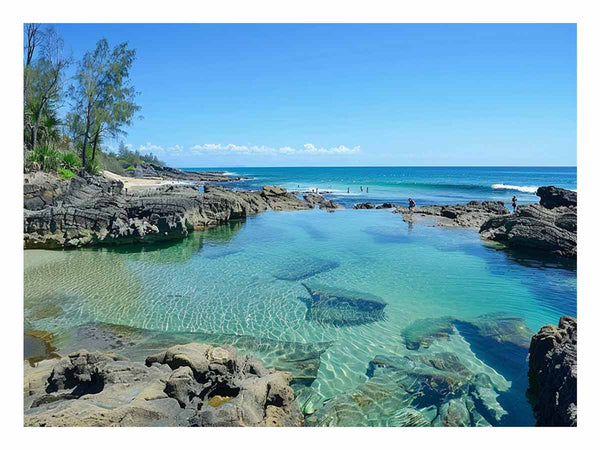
x=514, y=203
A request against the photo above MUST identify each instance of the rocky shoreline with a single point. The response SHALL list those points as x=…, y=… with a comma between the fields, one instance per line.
x=553, y=374
x=184, y=385
x=93, y=210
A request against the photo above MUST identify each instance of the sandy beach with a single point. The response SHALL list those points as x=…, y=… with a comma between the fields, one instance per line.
x=138, y=183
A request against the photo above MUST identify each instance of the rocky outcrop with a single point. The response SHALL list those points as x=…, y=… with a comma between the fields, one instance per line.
x=470, y=215
x=552, y=197
x=148, y=170
x=185, y=385
x=365, y=205
x=88, y=210
x=537, y=228
x=553, y=373
x=322, y=202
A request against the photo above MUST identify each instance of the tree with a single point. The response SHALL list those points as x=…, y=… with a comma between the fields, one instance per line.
x=44, y=81
x=32, y=40
x=102, y=95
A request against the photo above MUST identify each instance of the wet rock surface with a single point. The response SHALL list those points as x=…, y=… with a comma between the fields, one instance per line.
x=553, y=373
x=184, y=385
x=301, y=360
x=321, y=202
x=89, y=210
x=469, y=215
x=341, y=307
x=550, y=227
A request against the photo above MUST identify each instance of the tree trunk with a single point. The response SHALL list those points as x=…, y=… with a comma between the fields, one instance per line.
x=34, y=132
x=94, y=145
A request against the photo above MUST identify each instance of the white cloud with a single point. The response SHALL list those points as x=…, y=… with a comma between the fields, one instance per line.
x=148, y=147
x=176, y=148
x=263, y=150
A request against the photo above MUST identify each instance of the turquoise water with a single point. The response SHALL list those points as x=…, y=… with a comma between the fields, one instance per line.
x=426, y=185
x=241, y=279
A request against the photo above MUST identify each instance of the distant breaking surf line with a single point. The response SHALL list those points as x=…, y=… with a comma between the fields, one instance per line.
x=529, y=189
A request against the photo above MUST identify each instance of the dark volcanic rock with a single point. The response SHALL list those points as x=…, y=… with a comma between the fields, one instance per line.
x=89, y=210
x=342, y=307
x=536, y=228
x=470, y=215
x=148, y=170
x=322, y=202
x=193, y=384
x=551, y=197
x=553, y=373
x=366, y=205
x=386, y=205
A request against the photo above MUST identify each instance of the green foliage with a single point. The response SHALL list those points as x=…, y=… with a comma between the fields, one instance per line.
x=71, y=161
x=134, y=157
x=92, y=167
x=130, y=169
x=47, y=158
x=65, y=173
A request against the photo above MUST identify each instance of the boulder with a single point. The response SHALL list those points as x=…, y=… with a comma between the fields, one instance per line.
x=553, y=373
x=552, y=197
x=423, y=332
x=322, y=202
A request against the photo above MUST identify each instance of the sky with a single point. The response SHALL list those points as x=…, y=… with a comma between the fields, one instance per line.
x=242, y=95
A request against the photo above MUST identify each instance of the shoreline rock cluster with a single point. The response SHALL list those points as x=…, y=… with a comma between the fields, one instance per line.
x=553, y=374
x=184, y=385
x=148, y=170
x=92, y=210
x=548, y=227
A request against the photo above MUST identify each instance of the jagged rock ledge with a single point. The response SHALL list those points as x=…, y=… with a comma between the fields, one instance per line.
x=185, y=385
x=553, y=374
x=547, y=227
x=91, y=210
x=148, y=170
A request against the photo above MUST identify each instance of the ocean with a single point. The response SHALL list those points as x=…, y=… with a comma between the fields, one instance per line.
x=248, y=279
x=426, y=185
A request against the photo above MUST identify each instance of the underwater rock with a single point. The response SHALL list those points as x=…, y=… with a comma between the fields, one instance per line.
x=553, y=373
x=442, y=361
x=483, y=392
x=422, y=332
x=301, y=268
x=453, y=413
x=215, y=254
x=341, y=307
x=498, y=339
x=301, y=360
x=409, y=417
x=193, y=384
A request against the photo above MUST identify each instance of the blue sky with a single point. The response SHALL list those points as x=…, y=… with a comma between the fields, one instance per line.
x=349, y=94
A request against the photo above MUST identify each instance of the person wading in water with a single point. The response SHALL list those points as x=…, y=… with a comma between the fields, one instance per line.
x=514, y=203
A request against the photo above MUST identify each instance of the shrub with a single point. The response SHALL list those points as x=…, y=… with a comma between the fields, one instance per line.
x=65, y=173
x=130, y=169
x=47, y=159
x=92, y=167
x=71, y=161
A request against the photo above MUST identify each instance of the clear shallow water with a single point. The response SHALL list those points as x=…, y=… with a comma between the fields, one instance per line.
x=427, y=185
x=224, y=281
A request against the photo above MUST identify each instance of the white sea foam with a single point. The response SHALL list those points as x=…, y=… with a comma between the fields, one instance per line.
x=529, y=189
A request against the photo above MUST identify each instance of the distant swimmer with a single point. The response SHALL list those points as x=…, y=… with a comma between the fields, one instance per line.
x=348, y=190
x=367, y=189
x=361, y=189
x=514, y=203
x=411, y=204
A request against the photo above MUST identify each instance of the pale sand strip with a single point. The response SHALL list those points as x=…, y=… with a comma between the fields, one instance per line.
x=138, y=183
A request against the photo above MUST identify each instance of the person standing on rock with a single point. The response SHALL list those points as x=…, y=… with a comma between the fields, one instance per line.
x=411, y=205
x=514, y=203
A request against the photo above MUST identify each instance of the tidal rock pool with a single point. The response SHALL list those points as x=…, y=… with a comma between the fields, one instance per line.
x=380, y=322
